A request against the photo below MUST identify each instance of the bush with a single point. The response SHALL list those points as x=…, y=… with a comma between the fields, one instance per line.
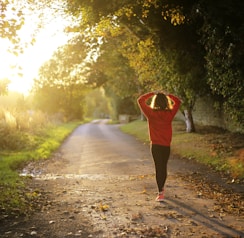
x=18, y=130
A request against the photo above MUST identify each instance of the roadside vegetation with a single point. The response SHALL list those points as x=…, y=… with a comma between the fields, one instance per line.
x=21, y=145
x=212, y=146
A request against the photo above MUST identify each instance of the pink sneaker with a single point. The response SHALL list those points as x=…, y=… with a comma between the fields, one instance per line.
x=160, y=197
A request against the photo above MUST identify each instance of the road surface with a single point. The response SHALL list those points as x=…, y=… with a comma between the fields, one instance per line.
x=101, y=184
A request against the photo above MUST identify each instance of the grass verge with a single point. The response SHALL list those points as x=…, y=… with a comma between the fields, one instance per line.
x=211, y=146
x=12, y=197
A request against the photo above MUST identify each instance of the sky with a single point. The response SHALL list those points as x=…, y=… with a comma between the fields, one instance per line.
x=47, y=41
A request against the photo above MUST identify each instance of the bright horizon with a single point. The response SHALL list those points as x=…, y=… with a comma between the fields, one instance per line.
x=47, y=41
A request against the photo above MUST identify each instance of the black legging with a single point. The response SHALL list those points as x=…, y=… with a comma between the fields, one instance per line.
x=160, y=156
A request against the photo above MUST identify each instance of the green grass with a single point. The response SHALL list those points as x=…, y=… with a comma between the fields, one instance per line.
x=137, y=129
x=195, y=146
x=11, y=184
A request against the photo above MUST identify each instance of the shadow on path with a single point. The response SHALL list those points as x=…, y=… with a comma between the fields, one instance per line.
x=205, y=221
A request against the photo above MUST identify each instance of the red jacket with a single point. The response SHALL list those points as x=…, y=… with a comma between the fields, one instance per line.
x=159, y=122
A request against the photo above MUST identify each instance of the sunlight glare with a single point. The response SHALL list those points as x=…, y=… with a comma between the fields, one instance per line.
x=28, y=63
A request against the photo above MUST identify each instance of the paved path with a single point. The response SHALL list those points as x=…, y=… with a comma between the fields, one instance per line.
x=101, y=184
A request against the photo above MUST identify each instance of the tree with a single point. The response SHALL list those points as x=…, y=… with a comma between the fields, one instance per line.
x=222, y=35
x=167, y=44
x=61, y=84
x=112, y=72
x=153, y=55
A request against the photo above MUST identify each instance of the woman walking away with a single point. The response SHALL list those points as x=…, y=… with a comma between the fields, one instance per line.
x=159, y=116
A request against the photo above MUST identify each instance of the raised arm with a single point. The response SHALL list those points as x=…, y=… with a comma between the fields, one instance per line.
x=176, y=101
x=142, y=102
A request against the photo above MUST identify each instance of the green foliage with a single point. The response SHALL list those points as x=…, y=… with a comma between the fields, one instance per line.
x=112, y=72
x=60, y=87
x=97, y=104
x=159, y=55
x=192, y=48
x=138, y=129
x=14, y=139
x=12, y=197
x=18, y=130
x=222, y=37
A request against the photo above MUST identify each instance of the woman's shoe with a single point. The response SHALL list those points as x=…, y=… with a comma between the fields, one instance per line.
x=160, y=197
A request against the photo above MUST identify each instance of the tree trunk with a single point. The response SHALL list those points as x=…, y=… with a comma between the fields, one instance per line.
x=190, y=127
x=143, y=118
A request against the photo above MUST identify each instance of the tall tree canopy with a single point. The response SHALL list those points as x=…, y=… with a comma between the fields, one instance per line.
x=154, y=49
x=192, y=47
x=222, y=35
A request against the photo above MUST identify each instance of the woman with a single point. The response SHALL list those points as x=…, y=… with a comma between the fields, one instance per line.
x=159, y=116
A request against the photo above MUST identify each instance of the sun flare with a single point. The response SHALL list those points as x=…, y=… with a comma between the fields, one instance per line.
x=22, y=69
